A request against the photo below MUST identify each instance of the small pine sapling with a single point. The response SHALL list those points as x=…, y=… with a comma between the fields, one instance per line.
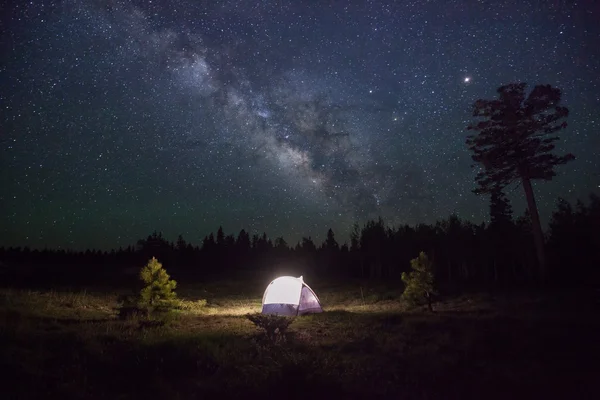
x=159, y=289
x=419, y=282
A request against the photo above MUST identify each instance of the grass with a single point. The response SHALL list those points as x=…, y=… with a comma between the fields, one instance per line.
x=368, y=344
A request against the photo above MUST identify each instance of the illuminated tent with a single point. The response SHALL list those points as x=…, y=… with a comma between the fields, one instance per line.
x=290, y=296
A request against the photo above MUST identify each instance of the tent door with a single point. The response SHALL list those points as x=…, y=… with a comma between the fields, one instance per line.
x=308, y=301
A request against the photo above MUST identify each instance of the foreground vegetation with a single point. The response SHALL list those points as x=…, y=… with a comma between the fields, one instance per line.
x=367, y=343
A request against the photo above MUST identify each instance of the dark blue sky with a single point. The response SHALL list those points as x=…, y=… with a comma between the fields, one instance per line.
x=290, y=117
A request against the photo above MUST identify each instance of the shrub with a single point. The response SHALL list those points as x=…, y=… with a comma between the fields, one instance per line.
x=419, y=282
x=275, y=326
x=127, y=312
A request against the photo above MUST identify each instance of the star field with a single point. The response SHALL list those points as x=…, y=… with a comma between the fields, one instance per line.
x=290, y=117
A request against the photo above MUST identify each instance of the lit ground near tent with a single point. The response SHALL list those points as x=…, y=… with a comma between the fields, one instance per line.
x=365, y=345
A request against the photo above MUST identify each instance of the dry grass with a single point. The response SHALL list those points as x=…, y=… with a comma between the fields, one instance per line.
x=82, y=305
x=367, y=343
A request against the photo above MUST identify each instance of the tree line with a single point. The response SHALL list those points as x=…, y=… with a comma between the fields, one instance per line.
x=497, y=254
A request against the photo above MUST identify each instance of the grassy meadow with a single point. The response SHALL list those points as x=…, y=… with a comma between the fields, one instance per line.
x=367, y=344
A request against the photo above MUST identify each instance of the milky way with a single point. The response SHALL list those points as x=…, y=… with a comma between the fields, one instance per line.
x=119, y=118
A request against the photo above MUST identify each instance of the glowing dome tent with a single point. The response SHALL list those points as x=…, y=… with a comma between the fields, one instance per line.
x=289, y=296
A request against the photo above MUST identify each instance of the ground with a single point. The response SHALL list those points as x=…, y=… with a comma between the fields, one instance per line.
x=367, y=344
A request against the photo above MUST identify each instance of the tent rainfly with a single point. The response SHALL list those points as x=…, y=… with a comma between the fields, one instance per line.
x=290, y=296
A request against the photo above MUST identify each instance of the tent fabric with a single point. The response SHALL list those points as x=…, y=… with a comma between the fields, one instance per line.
x=290, y=296
x=280, y=309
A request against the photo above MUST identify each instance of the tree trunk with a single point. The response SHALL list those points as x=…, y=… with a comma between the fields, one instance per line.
x=536, y=228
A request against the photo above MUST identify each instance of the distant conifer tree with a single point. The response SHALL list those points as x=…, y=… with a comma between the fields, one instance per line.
x=501, y=234
x=355, y=237
x=220, y=237
x=181, y=244
x=280, y=243
x=330, y=243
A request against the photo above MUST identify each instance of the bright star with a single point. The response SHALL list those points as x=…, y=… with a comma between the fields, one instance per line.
x=467, y=79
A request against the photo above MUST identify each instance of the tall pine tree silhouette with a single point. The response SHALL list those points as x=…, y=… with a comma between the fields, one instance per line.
x=513, y=144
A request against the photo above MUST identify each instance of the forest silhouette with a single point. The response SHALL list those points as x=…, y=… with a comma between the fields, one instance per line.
x=465, y=255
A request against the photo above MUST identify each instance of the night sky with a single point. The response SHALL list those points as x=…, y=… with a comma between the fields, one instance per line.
x=289, y=117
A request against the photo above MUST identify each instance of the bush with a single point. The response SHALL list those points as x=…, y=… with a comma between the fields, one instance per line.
x=127, y=312
x=420, y=282
x=275, y=326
